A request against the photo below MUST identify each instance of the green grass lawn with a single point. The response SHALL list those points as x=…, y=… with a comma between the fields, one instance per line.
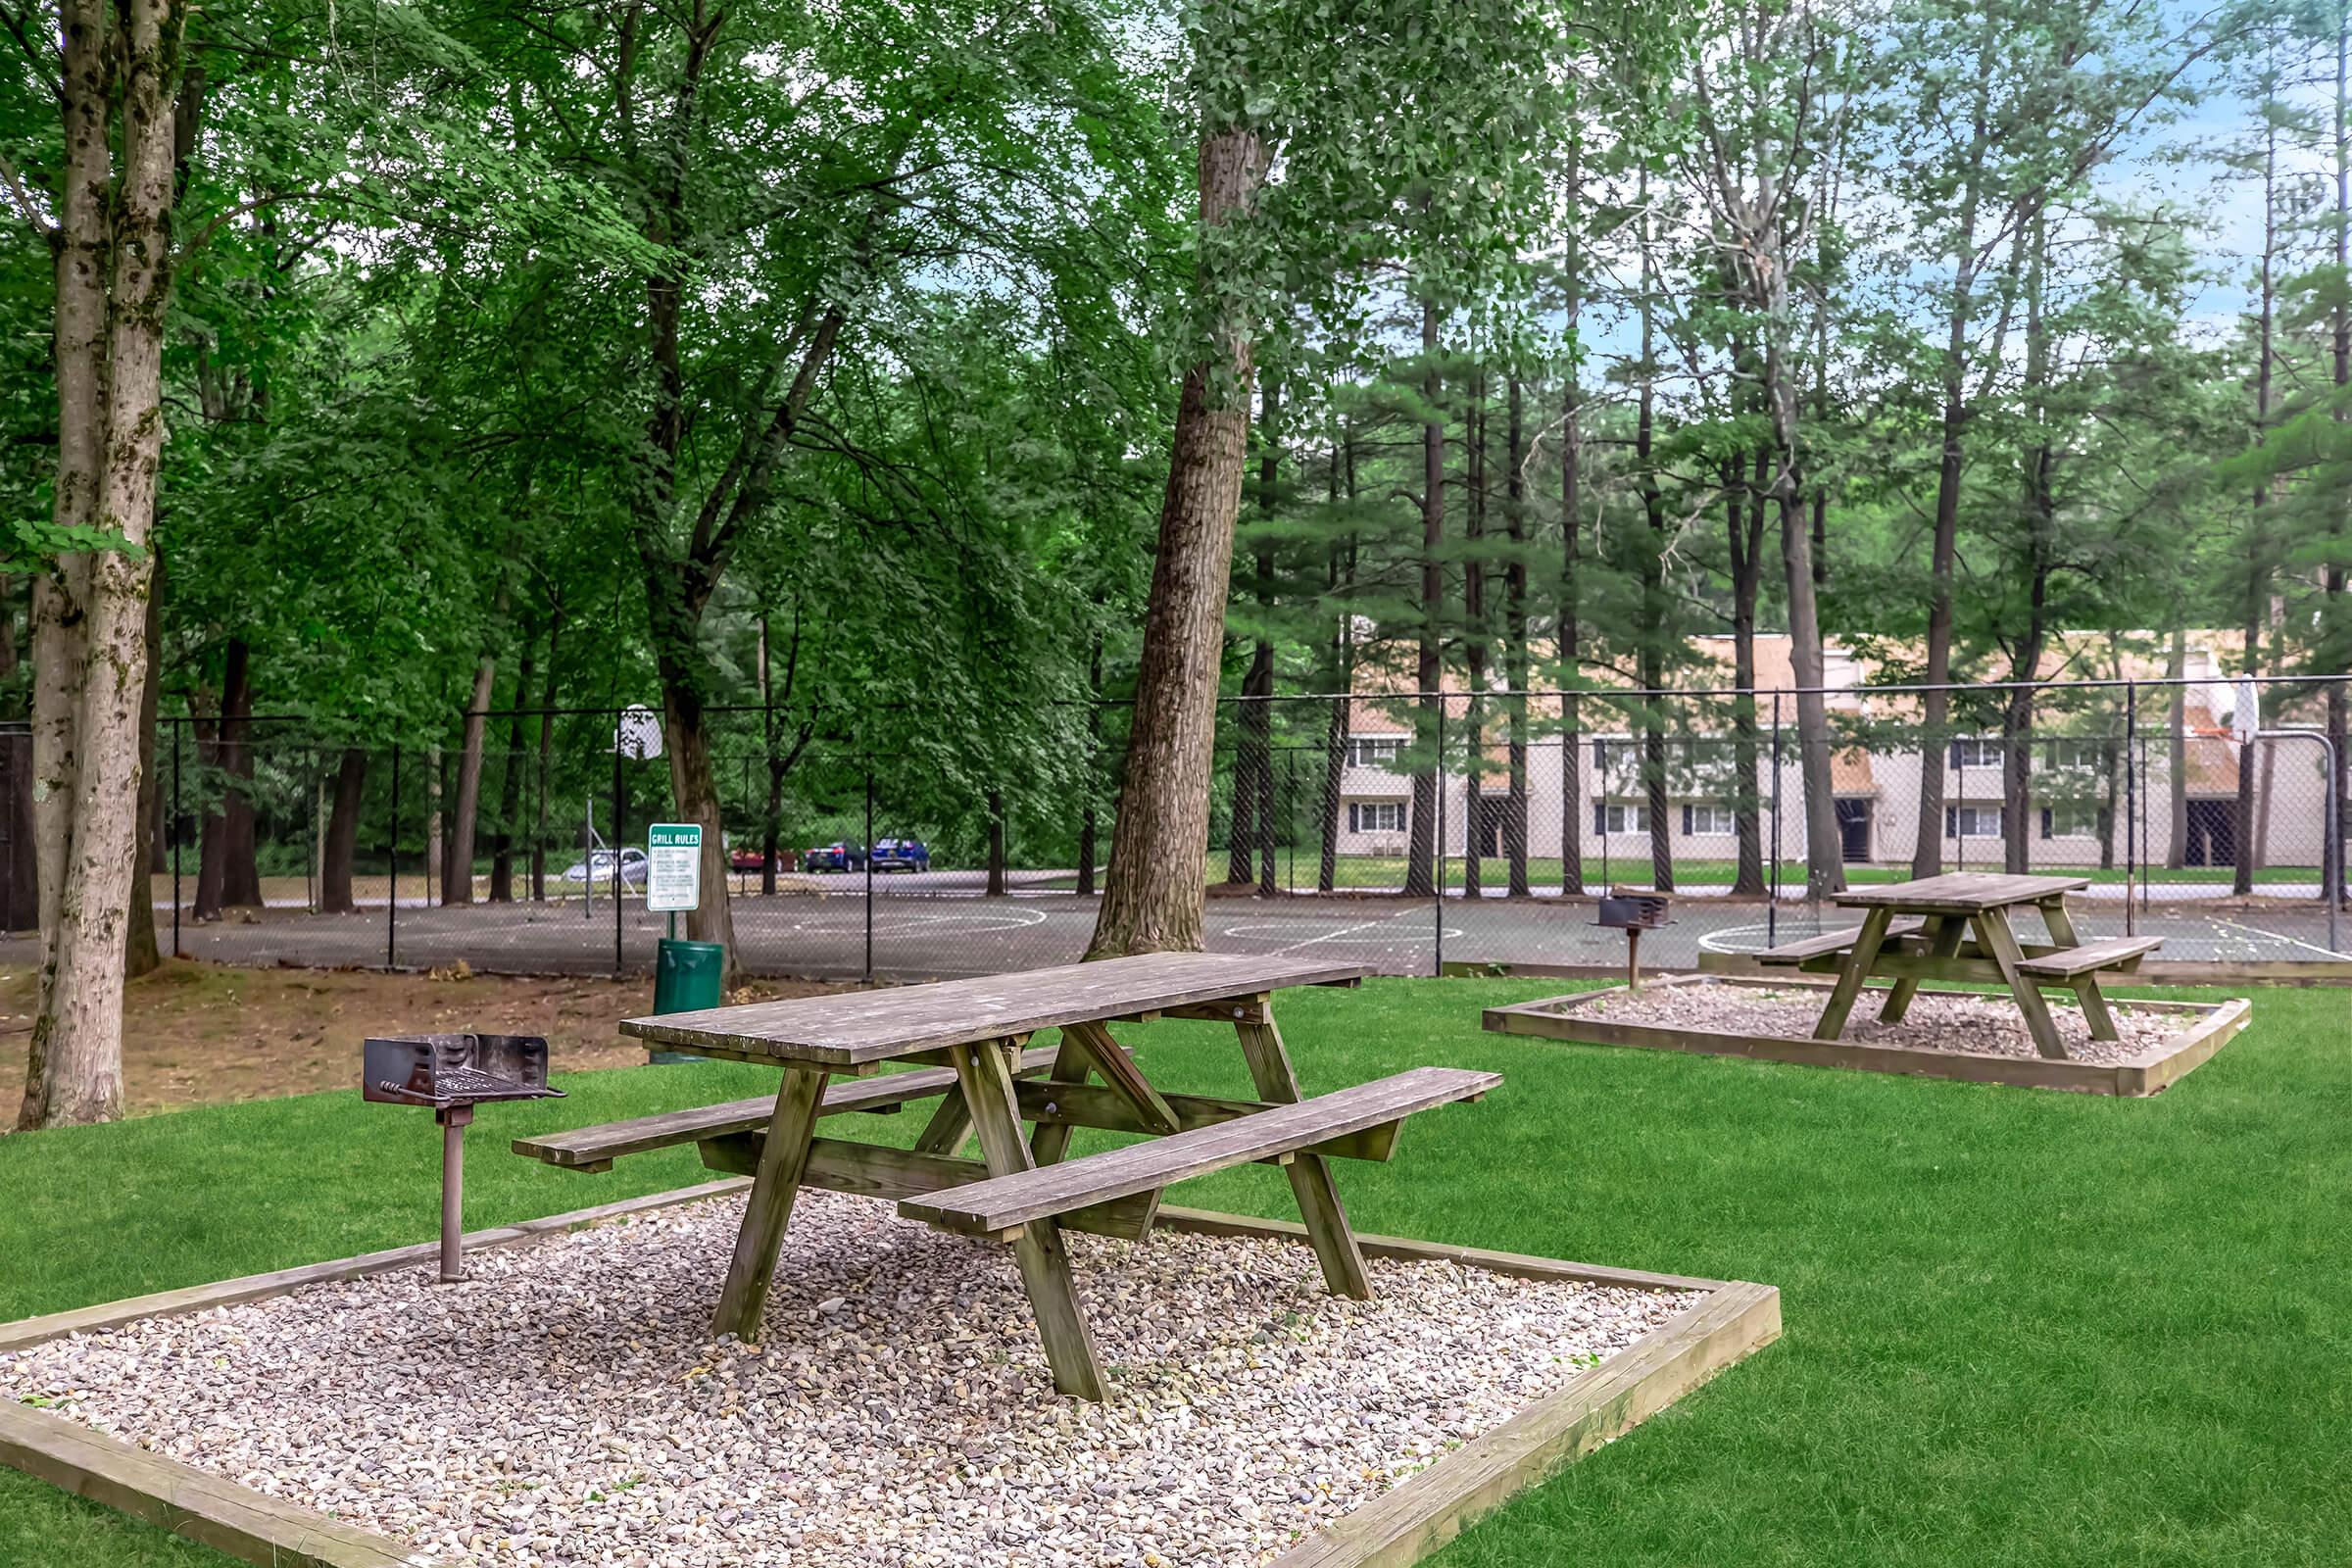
x=2023, y=1327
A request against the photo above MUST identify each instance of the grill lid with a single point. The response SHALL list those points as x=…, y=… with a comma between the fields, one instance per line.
x=455, y=1069
x=1631, y=909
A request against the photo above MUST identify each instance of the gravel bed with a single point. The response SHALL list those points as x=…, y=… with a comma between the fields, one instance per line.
x=567, y=1406
x=1978, y=1025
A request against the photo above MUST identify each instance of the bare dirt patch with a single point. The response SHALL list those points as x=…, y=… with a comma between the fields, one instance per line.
x=204, y=1033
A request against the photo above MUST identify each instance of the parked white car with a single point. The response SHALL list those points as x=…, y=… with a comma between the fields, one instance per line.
x=599, y=868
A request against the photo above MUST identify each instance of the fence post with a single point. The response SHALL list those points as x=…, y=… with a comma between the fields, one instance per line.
x=2131, y=803
x=869, y=871
x=178, y=830
x=1438, y=773
x=392, y=870
x=1772, y=901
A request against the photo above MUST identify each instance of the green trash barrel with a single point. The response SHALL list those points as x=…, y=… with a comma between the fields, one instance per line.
x=687, y=976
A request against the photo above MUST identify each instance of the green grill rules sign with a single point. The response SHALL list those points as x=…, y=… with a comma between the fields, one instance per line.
x=674, y=872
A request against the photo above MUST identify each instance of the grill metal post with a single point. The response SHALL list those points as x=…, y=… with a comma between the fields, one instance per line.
x=453, y=1120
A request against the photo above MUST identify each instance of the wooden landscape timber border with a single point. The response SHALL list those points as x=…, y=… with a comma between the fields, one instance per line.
x=2151, y=971
x=2151, y=1071
x=1726, y=1321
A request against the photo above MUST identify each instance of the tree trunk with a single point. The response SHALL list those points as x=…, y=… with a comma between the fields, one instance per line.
x=343, y=833
x=1270, y=474
x=1421, y=843
x=1514, y=638
x=436, y=840
x=1340, y=580
x=547, y=746
x=139, y=953
x=240, y=877
x=510, y=788
x=1091, y=778
x=1656, y=625
x=2018, y=817
x=19, y=899
x=996, y=844
x=20, y=895
x=75, y=1068
x=208, y=862
x=2253, y=813
x=1744, y=520
x=1252, y=827
x=1572, y=801
x=1474, y=631
x=1927, y=853
x=457, y=871
x=1151, y=895
x=694, y=792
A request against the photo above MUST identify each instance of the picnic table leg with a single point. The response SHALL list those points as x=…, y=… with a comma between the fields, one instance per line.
x=949, y=1126
x=783, y=1157
x=2086, y=984
x=1317, y=1196
x=1858, y=960
x=987, y=1078
x=1118, y=1069
x=1052, y=1139
x=1943, y=936
x=2000, y=945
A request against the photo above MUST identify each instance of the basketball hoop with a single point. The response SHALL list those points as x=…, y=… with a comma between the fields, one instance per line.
x=637, y=735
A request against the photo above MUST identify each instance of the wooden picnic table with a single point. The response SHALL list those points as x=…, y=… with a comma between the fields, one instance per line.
x=1932, y=945
x=968, y=1036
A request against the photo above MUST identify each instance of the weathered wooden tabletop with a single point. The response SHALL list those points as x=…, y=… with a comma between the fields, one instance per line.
x=1960, y=893
x=857, y=1029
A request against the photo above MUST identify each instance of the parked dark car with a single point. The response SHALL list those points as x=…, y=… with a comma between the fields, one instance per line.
x=839, y=856
x=902, y=855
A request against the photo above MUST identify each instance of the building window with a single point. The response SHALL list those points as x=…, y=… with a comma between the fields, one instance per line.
x=2069, y=822
x=1374, y=751
x=2075, y=752
x=1972, y=822
x=1707, y=820
x=1374, y=816
x=1620, y=817
x=1976, y=751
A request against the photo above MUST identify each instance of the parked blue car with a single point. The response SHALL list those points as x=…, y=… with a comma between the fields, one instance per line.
x=841, y=854
x=902, y=855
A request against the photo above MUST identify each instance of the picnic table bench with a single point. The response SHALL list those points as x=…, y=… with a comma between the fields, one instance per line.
x=969, y=1037
x=1957, y=929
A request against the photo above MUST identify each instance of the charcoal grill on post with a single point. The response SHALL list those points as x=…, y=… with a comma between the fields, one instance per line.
x=1633, y=911
x=453, y=1074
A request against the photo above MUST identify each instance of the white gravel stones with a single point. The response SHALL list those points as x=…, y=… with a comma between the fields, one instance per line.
x=566, y=1406
x=1988, y=1025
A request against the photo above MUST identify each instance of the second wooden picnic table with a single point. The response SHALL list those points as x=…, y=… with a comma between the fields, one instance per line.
x=971, y=1035
x=1949, y=910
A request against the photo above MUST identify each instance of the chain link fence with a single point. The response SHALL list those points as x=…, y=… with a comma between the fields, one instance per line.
x=1406, y=832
